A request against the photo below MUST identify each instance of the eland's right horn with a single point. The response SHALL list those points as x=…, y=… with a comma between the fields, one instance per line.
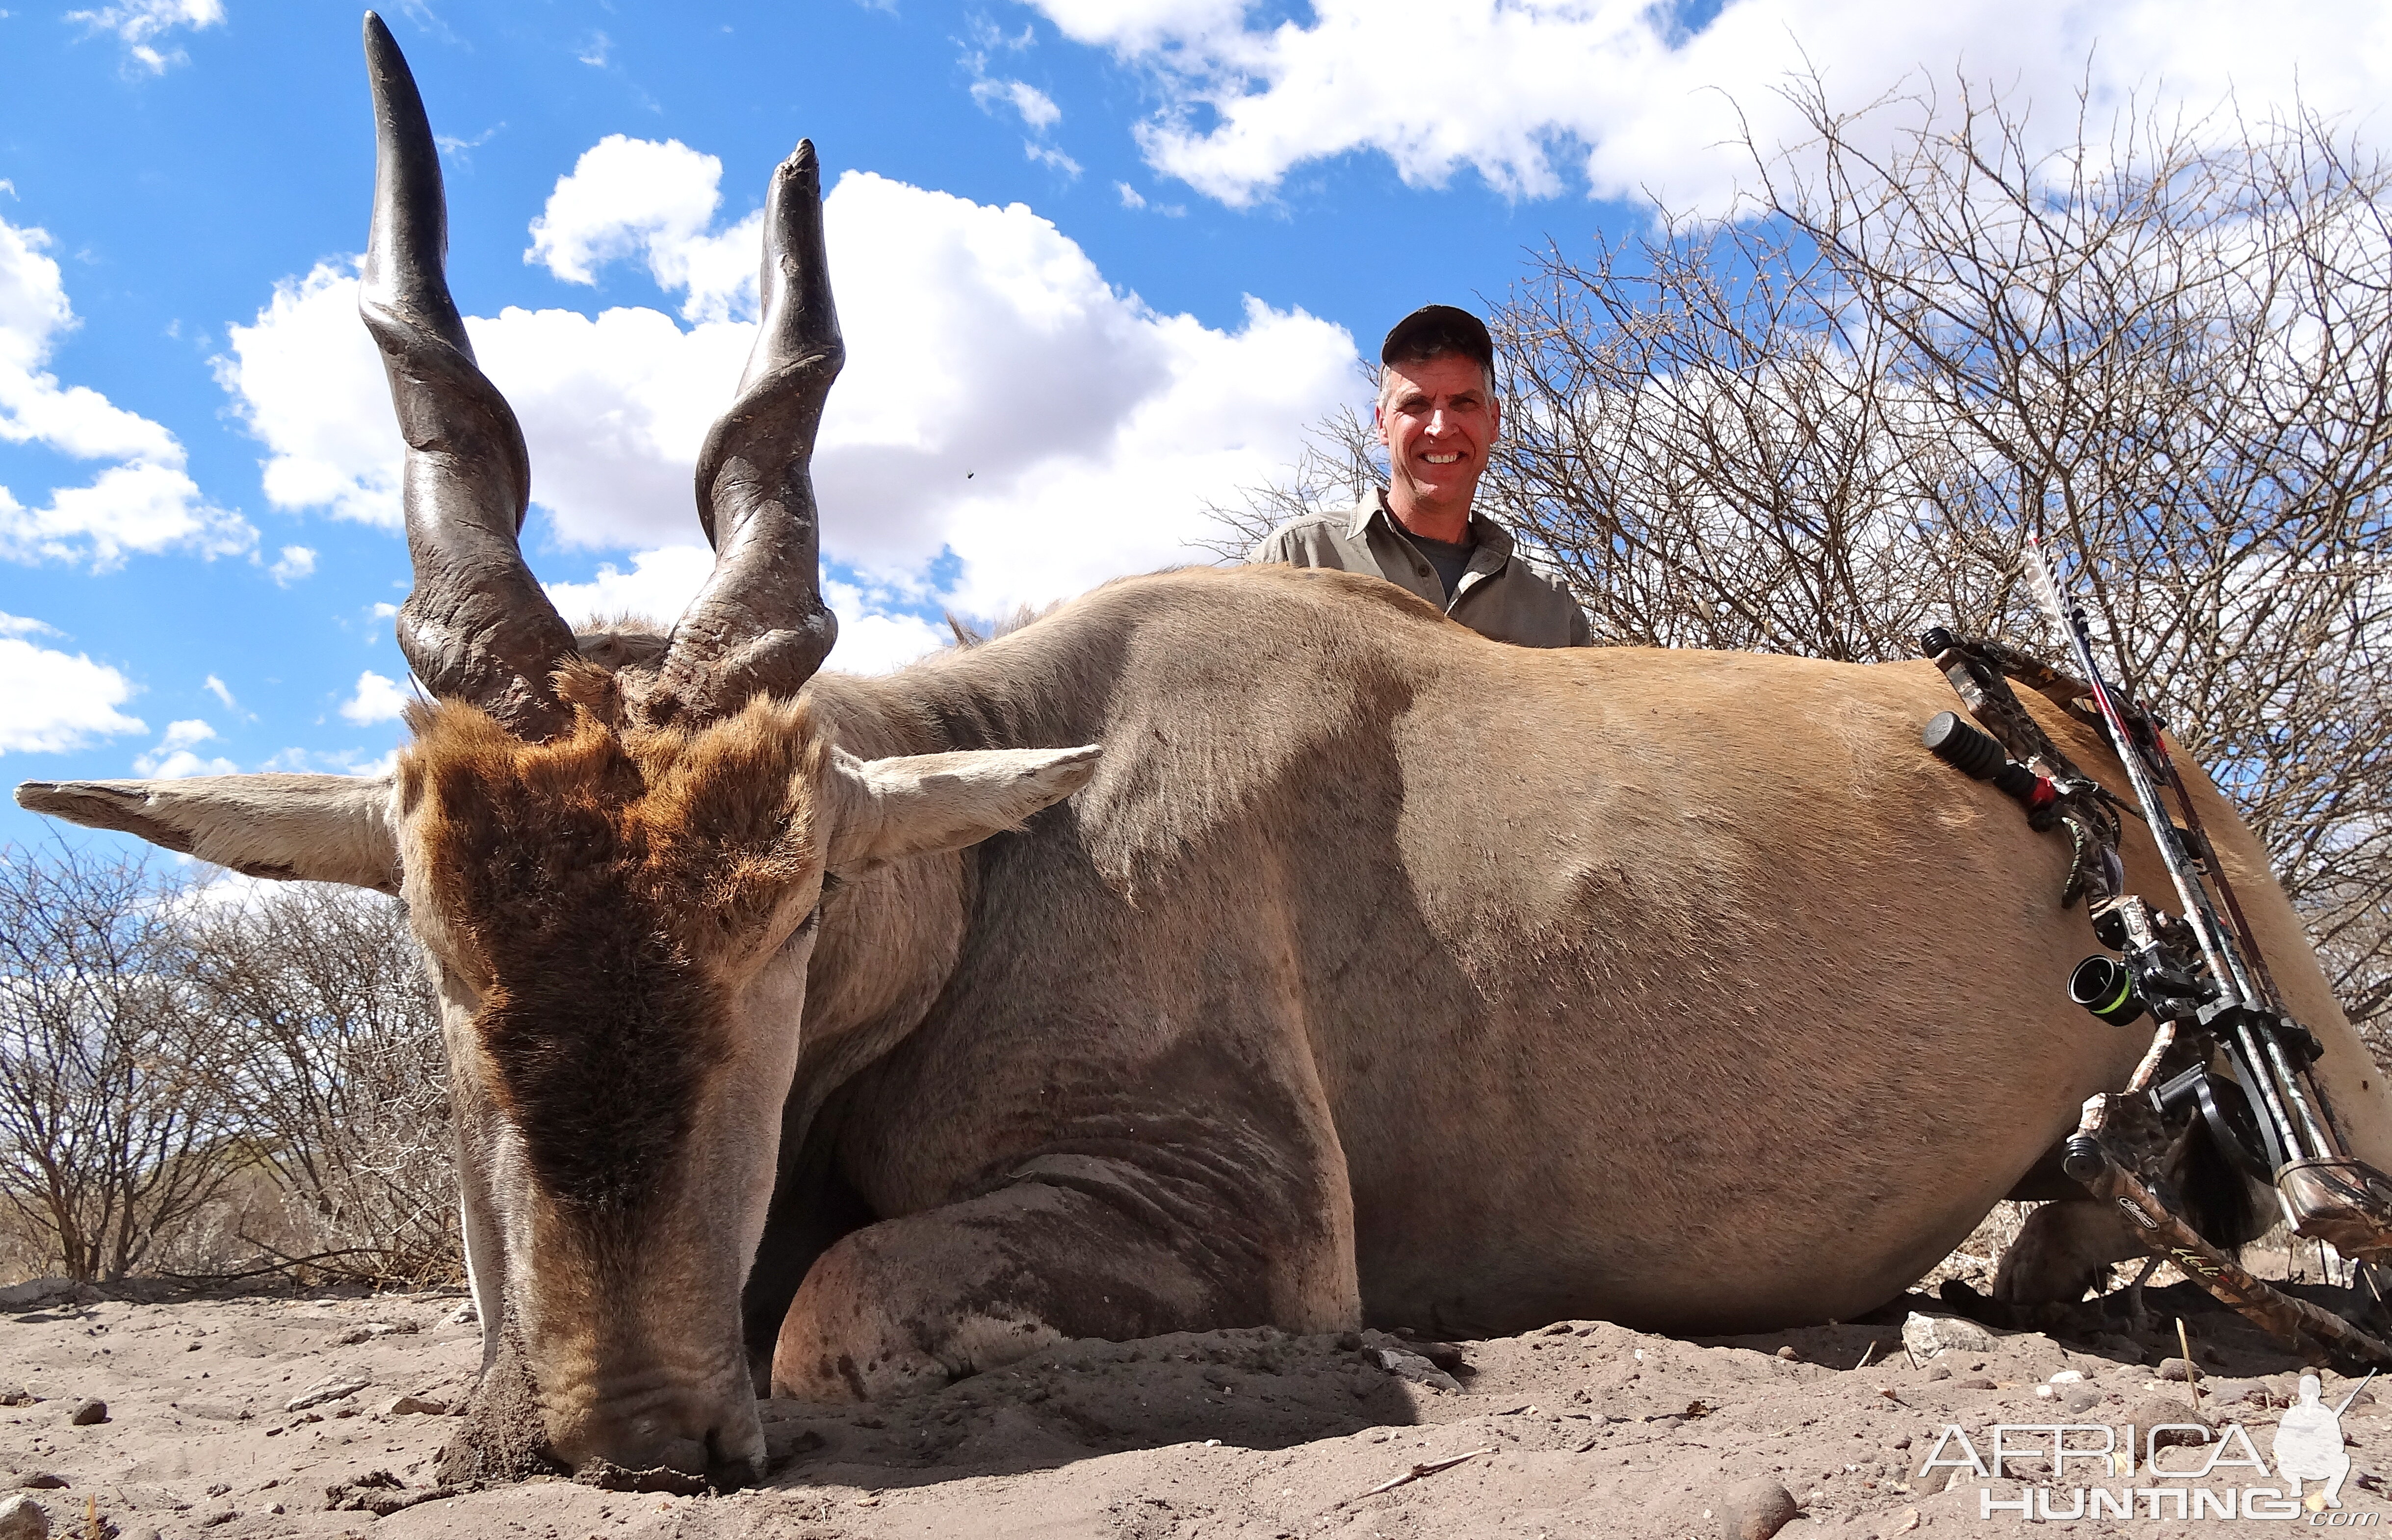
x=477, y=627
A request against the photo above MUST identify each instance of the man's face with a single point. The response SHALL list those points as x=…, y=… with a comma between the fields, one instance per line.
x=1437, y=418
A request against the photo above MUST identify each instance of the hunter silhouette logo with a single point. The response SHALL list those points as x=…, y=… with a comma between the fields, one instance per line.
x=2308, y=1448
x=2308, y=1443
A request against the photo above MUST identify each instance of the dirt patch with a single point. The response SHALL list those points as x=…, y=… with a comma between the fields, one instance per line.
x=1581, y=1430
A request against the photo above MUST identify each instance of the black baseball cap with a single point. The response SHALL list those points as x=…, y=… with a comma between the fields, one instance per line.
x=1434, y=329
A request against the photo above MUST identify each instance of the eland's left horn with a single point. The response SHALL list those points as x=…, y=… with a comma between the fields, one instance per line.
x=758, y=626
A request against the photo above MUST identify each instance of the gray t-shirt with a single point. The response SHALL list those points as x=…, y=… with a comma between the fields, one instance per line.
x=1451, y=558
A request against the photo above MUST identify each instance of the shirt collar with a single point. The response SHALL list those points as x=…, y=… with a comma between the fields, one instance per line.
x=1490, y=537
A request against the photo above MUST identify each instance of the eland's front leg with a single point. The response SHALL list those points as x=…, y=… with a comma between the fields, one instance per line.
x=1069, y=1246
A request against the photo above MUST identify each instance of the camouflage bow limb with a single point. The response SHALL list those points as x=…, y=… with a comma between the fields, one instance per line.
x=2092, y=1162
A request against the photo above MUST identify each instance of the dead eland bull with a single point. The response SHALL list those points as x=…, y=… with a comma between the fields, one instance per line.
x=1375, y=973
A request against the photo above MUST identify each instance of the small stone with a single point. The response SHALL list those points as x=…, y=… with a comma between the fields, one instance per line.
x=323, y=1391
x=1788, y=1354
x=88, y=1412
x=2174, y=1368
x=1974, y=1382
x=466, y=1314
x=2065, y=1377
x=1445, y=1355
x=2083, y=1399
x=2159, y=1412
x=15, y=1395
x=24, y=1518
x=1756, y=1509
x=415, y=1406
x=1940, y=1371
x=1414, y=1367
x=1926, y=1334
x=41, y=1480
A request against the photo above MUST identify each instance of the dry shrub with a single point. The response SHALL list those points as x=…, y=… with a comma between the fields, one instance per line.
x=113, y=1119
x=341, y=1082
x=214, y=1080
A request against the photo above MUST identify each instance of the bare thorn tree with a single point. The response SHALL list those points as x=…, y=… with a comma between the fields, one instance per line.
x=1336, y=468
x=112, y=1132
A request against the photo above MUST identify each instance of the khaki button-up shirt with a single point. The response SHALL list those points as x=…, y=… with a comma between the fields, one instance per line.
x=1498, y=597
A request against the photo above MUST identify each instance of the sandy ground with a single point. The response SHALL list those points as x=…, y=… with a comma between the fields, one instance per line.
x=1582, y=1430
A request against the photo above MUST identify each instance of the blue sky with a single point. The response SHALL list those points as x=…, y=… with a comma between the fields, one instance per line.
x=1099, y=262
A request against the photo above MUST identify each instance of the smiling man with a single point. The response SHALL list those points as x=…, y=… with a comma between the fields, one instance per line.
x=1437, y=416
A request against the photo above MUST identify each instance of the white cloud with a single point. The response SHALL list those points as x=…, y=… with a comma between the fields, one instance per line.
x=145, y=503
x=51, y=702
x=1003, y=401
x=659, y=587
x=1529, y=92
x=182, y=762
x=874, y=636
x=307, y=382
x=296, y=562
x=377, y=699
x=1037, y=108
x=216, y=686
x=187, y=734
x=331, y=762
x=138, y=24
x=170, y=758
x=997, y=385
x=1033, y=106
x=873, y=640
x=1132, y=198
x=1050, y=157
x=631, y=198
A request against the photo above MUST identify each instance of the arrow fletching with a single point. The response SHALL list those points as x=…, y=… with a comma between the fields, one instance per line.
x=2045, y=586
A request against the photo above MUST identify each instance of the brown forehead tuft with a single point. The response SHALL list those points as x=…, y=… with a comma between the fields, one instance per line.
x=730, y=790
x=598, y=875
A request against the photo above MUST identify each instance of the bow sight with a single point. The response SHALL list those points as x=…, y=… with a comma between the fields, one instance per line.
x=2197, y=974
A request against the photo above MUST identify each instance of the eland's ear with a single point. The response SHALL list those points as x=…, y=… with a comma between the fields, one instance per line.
x=887, y=809
x=323, y=828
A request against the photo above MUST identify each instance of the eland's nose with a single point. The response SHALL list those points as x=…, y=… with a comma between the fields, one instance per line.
x=727, y=1452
